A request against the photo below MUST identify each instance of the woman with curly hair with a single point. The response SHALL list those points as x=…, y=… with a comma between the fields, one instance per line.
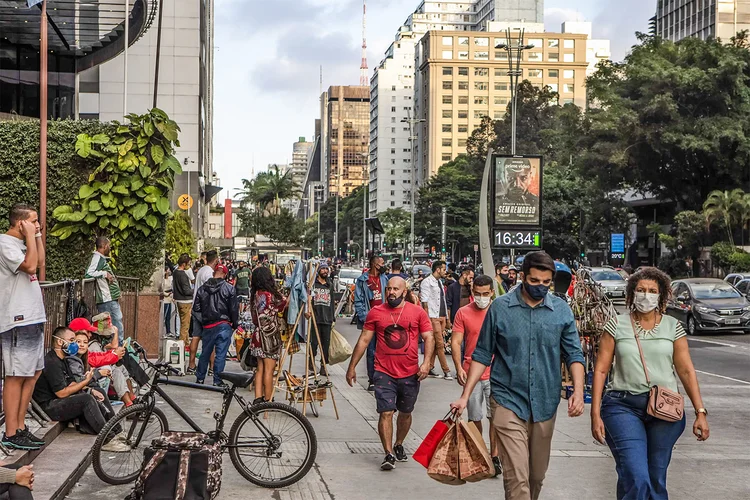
x=641, y=444
x=266, y=303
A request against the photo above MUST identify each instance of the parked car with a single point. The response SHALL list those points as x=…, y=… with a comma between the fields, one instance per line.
x=347, y=276
x=613, y=283
x=736, y=278
x=709, y=305
x=743, y=286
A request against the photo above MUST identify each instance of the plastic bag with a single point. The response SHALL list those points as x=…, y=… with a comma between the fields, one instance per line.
x=339, y=350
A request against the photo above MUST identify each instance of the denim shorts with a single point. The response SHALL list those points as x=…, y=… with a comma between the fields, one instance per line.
x=23, y=350
x=393, y=394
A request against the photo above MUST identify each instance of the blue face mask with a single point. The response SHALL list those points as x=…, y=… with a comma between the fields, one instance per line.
x=71, y=349
x=536, y=292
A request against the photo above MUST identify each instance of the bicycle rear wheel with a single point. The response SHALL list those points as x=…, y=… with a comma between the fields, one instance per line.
x=272, y=445
x=125, y=438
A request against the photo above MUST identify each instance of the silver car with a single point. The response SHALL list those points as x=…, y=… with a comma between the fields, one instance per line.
x=613, y=283
x=347, y=276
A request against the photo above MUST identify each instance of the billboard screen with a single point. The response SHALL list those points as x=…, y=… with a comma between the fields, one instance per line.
x=517, y=191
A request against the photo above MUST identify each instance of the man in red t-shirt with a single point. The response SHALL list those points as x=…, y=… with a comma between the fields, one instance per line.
x=466, y=327
x=397, y=325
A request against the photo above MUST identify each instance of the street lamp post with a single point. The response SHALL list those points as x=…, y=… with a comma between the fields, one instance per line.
x=515, y=73
x=413, y=187
x=366, y=158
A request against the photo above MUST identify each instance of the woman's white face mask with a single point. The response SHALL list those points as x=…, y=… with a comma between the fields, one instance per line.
x=646, y=302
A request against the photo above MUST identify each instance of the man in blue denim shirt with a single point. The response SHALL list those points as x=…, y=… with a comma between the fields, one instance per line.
x=524, y=336
x=368, y=293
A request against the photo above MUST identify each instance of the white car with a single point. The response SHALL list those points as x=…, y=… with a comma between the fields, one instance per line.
x=347, y=276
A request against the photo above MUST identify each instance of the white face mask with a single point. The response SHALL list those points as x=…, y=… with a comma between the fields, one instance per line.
x=482, y=302
x=646, y=302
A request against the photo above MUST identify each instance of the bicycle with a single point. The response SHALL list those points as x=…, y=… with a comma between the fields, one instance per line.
x=272, y=445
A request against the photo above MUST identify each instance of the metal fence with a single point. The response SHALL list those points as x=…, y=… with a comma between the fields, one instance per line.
x=57, y=301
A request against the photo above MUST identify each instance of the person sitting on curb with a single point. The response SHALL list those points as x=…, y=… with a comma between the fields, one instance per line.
x=17, y=483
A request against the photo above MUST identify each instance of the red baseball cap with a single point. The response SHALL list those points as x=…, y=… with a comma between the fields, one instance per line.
x=79, y=324
x=222, y=268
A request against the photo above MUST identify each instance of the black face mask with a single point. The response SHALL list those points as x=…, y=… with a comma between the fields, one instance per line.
x=394, y=303
x=381, y=269
x=505, y=276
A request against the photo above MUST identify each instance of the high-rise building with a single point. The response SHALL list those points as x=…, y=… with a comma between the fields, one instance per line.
x=300, y=151
x=701, y=18
x=597, y=50
x=462, y=77
x=529, y=11
x=346, y=137
x=391, y=102
x=472, y=15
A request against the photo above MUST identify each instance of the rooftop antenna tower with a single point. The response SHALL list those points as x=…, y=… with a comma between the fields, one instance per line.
x=364, y=79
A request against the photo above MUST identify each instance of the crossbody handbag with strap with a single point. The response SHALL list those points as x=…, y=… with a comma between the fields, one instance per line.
x=664, y=404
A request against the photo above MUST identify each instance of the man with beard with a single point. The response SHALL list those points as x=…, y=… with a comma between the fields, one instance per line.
x=368, y=293
x=320, y=301
x=107, y=288
x=459, y=293
x=502, y=277
x=397, y=325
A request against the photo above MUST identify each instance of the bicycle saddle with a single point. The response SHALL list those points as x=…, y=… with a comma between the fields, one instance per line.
x=237, y=379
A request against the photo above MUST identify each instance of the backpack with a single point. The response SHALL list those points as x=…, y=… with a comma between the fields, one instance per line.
x=179, y=466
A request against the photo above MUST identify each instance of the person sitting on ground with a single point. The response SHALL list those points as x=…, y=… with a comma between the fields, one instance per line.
x=17, y=483
x=79, y=364
x=101, y=345
x=64, y=399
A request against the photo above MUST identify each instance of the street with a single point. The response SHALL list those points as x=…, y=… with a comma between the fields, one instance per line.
x=349, y=451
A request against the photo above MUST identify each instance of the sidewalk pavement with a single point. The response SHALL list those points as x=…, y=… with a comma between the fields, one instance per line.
x=349, y=450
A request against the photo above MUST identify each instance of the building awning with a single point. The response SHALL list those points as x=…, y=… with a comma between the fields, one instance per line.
x=90, y=30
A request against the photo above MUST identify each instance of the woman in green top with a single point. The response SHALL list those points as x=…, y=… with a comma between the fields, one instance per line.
x=642, y=445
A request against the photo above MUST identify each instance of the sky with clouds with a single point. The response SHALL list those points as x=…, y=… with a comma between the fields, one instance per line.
x=269, y=52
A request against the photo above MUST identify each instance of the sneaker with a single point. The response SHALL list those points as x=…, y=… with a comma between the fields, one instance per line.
x=371, y=388
x=389, y=462
x=434, y=374
x=322, y=371
x=31, y=437
x=19, y=442
x=447, y=376
x=222, y=385
x=199, y=381
x=210, y=372
x=190, y=371
x=398, y=450
x=498, y=467
x=117, y=445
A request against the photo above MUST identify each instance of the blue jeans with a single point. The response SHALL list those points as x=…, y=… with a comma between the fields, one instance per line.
x=168, y=317
x=371, y=359
x=219, y=338
x=642, y=445
x=113, y=308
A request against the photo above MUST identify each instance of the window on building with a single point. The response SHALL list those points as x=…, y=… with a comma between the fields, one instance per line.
x=499, y=115
x=568, y=101
x=463, y=40
x=393, y=172
x=569, y=73
x=447, y=127
x=393, y=151
x=479, y=113
x=463, y=128
x=393, y=203
x=393, y=193
x=447, y=71
x=481, y=56
x=447, y=113
x=393, y=183
x=462, y=99
x=393, y=109
x=569, y=57
x=501, y=100
x=535, y=56
x=553, y=57
x=481, y=100
x=501, y=72
x=393, y=130
x=393, y=98
x=569, y=88
x=447, y=85
x=501, y=55
x=393, y=88
x=501, y=86
x=463, y=55
x=481, y=71
x=536, y=42
x=447, y=54
x=552, y=86
x=463, y=71
x=534, y=73
x=447, y=99
x=446, y=157
x=553, y=73
x=393, y=162
x=463, y=85
x=393, y=140
x=462, y=143
x=212, y=226
x=553, y=42
x=482, y=42
x=569, y=44
x=447, y=142
x=448, y=41
x=481, y=86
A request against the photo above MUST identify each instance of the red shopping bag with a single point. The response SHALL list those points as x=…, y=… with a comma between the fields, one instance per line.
x=426, y=450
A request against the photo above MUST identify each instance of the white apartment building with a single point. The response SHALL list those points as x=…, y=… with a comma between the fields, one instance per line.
x=185, y=93
x=596, y=50
x=300, y=153
x=391, y=102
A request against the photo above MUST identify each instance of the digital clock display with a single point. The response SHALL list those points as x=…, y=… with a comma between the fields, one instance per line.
x=518, y=239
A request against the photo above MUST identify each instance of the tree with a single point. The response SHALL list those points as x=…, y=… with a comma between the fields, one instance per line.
x=351, y=219
x=397, y=225
x=672, y=119
x=283, y=229
x=268, y=189
x=180, y=238
x=722, y=207
x=481, y=137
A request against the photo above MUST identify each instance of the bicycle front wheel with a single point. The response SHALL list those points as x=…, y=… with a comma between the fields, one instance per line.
x=117, y=454
x=272, y=445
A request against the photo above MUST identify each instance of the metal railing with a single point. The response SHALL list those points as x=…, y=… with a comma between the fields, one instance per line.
x=56, y=303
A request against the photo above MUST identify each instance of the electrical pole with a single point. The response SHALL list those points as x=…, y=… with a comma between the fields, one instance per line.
x=412, y=192
x=43, y=53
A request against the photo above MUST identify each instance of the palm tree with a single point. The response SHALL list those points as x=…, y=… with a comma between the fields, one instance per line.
x=723, y=207
x=268, y=188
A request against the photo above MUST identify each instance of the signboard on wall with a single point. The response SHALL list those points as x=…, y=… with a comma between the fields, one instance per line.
x=517, y=191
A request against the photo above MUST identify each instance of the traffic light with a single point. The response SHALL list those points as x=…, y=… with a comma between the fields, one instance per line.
x=583, y=254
